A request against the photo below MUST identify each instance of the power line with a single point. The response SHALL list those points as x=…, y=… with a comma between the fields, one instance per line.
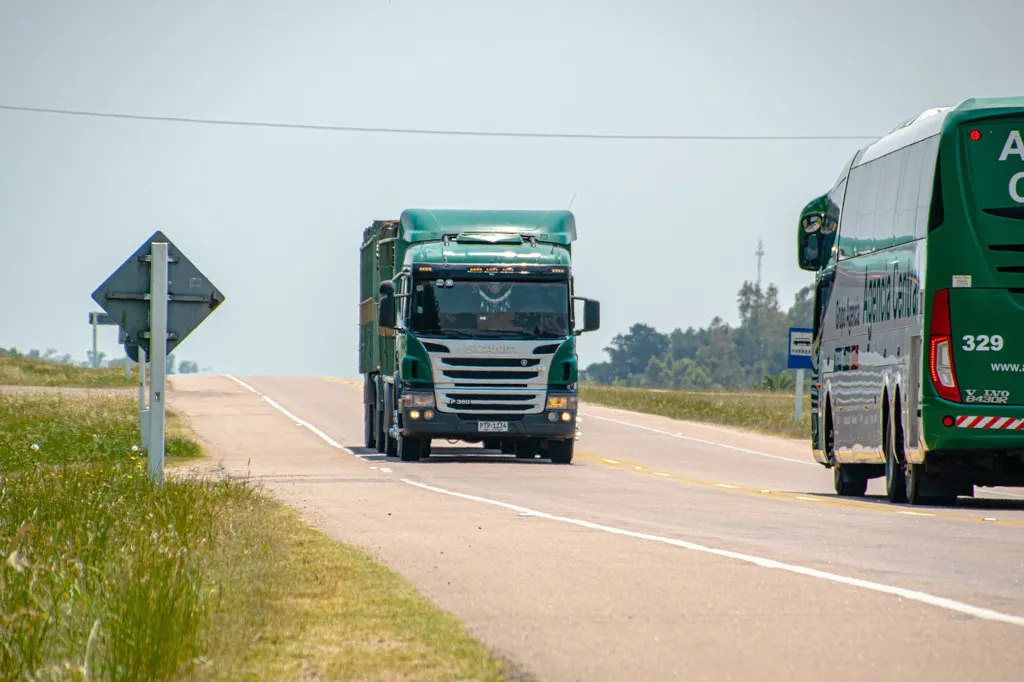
x=425, y=131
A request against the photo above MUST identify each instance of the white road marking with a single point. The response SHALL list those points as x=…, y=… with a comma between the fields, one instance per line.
x=242, y=384
x=703, y=441
x=610, y=461
x=726, y=485
x=385, y=470
x=910, y=513
x=327, y=439
x=300, y=422
x=662, y=473
x=808, y=499
x=913, y=595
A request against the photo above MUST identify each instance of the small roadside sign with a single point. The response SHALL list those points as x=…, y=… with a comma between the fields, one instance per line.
x=800, y=347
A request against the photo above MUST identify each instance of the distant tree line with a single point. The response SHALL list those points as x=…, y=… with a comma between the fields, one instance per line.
x=51, y=355
x=719, y=356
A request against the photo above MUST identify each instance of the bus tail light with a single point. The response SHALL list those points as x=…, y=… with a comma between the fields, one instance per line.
x=940, y=357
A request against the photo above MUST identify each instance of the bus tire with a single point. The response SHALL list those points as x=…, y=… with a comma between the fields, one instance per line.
x=849, y=480
x=892, y=441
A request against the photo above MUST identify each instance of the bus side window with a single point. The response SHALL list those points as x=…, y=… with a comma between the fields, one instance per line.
x=885, y=209
x=929, y=167
x=848, y=221
x=910, y=183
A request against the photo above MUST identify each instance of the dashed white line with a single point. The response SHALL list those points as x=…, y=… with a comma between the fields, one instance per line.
x=913, y=595
x=703, y=441
x=610, y=461
x=913, y=513
x=808, y=499
x=726, y=485
x=385, y=470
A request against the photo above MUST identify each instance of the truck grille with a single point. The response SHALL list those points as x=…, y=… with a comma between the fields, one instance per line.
x=512, y=383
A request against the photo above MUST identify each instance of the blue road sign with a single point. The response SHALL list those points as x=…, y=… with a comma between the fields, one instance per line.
x=800, y=346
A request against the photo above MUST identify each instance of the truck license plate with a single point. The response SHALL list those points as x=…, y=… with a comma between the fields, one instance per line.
x=493, y=427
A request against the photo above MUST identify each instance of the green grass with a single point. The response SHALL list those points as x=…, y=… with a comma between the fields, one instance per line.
x=105, y=576
x=769, y=413
x=18, y=370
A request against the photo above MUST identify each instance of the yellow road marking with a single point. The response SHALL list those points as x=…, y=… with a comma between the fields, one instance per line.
x=351, y=383
x=823, y=500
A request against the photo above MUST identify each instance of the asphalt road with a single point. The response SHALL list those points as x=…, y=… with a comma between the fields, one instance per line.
x=666, y=550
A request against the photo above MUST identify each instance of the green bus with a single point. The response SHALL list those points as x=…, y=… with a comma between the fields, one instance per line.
x=918, y=254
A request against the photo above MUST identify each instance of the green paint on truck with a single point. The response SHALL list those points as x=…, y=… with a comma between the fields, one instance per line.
x=468, y=331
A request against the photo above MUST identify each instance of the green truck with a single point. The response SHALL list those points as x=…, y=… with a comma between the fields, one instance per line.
x=918, y=255
x=467, y=332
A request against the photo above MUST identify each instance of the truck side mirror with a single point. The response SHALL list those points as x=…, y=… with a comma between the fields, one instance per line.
x=387, y=313
x=591, y=315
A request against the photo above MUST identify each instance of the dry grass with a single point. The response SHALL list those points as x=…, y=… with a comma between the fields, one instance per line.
x=769, y=413
x=23, y=371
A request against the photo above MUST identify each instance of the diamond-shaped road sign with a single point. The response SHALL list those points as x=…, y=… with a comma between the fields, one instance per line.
x=125, y=297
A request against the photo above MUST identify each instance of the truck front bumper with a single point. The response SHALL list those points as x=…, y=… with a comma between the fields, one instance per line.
x=468, y=427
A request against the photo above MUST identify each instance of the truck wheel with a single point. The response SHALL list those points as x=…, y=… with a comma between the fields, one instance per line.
x=848, y=480
x=561, y=451
x=369, y=436
x=409, y=449
x=380, y=443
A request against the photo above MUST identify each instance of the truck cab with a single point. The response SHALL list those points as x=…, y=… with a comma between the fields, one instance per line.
x=476, y=325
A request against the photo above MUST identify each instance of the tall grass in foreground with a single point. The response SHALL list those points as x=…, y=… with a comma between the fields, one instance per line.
x=100, y=574
x=770, y=413
x=104, y=576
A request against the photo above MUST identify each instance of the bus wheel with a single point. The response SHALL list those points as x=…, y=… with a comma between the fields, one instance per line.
x=895, y=478
x=912, y=483
x=849, y=481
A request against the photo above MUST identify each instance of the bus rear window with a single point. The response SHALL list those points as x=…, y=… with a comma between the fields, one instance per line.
x=995, y=153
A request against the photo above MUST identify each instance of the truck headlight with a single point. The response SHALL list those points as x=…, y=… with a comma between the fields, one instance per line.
x=420, y=400
x=562, y=402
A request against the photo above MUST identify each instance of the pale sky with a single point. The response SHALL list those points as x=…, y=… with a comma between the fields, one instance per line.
x=667, y=229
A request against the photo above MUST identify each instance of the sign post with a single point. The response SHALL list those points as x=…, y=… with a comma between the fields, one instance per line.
x=158, y=355
x=800, y=351
x=157, y=297
x=96, y=319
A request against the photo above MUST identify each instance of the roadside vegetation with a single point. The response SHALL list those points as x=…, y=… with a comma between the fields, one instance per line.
x=106, y=576
x=26, y=370
x=768, y=412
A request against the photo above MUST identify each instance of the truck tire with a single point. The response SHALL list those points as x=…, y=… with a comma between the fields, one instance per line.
x=561, y=451
x=369, y=428
x=409, y=449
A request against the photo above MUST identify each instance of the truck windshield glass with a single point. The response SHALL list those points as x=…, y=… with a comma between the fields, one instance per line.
x=498, y=308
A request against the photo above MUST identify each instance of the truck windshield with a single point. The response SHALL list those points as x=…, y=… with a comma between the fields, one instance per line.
x=498, y=308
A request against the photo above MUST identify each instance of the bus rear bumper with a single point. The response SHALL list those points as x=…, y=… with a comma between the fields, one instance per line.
x=983, y=444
